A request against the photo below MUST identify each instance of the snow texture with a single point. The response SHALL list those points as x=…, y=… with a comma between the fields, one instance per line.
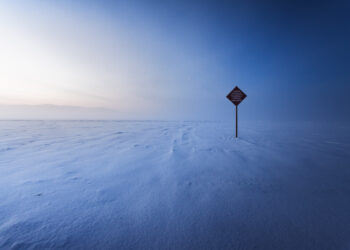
x=174, y=185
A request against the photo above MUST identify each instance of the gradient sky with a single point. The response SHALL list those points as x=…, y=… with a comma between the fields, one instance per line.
x=179, y=59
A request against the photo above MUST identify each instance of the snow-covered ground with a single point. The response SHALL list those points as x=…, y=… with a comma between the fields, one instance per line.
x=174, y=185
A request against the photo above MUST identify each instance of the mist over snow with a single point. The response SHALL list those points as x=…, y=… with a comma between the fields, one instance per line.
x=56, y=112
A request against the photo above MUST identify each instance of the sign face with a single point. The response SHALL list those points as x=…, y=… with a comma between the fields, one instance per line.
x=236, y=96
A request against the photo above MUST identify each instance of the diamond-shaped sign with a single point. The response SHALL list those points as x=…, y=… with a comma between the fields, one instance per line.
x=236, y=96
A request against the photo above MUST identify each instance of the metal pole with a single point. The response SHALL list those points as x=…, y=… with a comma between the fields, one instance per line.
x=236, y=121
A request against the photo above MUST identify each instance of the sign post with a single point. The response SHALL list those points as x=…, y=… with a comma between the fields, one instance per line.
x=236, y=121
x=236, y=96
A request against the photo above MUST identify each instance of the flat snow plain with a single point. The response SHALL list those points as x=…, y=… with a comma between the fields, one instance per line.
x=174, y=185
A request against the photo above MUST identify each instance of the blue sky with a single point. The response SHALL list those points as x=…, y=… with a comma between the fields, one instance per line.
x=179, y=59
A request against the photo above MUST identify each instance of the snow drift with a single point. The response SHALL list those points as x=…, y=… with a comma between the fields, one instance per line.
x=174, y=185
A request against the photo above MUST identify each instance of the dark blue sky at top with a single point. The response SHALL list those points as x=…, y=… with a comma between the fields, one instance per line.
x=290, y=57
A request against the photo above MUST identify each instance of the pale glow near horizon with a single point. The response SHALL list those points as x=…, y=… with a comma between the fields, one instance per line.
x=53, y=56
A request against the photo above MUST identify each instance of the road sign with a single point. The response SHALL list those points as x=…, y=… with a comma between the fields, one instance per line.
x=236, y=96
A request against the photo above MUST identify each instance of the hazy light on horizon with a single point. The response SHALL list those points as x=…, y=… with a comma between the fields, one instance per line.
x=50, y=55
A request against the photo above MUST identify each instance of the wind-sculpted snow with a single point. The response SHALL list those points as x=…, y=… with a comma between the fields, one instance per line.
x=174, y=185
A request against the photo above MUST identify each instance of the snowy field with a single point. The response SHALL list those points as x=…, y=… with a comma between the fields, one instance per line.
x=174, y=185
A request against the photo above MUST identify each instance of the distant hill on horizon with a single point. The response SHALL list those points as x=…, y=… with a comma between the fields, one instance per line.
x=56, y=112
